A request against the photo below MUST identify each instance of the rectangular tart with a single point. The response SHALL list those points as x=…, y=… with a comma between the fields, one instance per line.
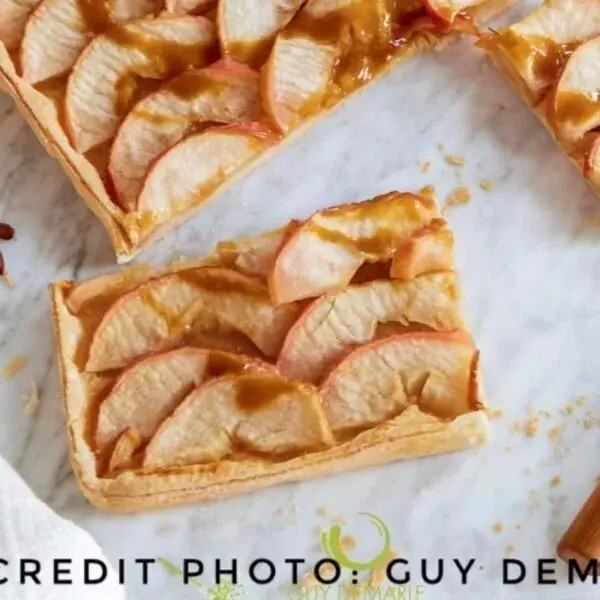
x=333, y=343
x=552, y=58
x=126, y=94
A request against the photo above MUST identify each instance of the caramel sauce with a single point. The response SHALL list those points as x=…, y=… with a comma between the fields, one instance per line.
x=191, y=84
x=254, y=54
x=166, y=58
x=221, y=363
x=173, y=320
x=257, y=391
x=367, y=34
x=384, y=240
x=576, y=108
x=96, y=14
x=208, y=280
x=544, y=56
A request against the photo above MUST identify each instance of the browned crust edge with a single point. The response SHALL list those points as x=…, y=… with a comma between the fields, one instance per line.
x=41, y=115
x=410, y=435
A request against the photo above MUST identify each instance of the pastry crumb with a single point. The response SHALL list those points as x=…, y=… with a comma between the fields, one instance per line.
x=460, y=195
x=486, y=185
x=32, y=401
x=440, y=146
x=455, y=160
x=580, y=400
x=590, y=420
x=555, y=481
x=500, y=106
x=340, y=520
x=347, y=542
x=498, y=527
x=494, y=413
x=510, y=549
x=323, y=511
x=424, y=166
x=592, y=220
x=14, y=367
x=9, y=282
x=534, y=499
x=518, y=527
x=567, y=409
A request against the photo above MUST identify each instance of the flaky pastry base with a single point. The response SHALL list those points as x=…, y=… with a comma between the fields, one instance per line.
x=41, y=114
x=412, y=434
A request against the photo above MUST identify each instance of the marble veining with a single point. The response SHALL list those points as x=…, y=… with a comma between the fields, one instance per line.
x=529, y=257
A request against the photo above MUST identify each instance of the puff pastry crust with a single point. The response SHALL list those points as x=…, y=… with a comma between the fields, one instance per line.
x=61, y=128
x=203, y=381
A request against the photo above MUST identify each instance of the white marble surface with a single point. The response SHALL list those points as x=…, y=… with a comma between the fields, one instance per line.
x=529, y=260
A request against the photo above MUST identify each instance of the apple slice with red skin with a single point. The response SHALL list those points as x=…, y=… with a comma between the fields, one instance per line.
x=324, y=252
x=159, y=313
x=334, y=324
x=145, y=394
x=256, y=412
x=58, y=30
x=534, y=51
x=296, y=77
x=225, y=92
x=189, y=172
x=445, y=12
x=247, y=27
x=13, y=18
x=591, y=166
x=128, y=443
x=575, y=102
x=190, y=7
x=376, y=382
x=429, y=249
x=106, y=77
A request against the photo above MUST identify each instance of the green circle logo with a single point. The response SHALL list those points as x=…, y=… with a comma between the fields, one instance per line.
x=332, y=545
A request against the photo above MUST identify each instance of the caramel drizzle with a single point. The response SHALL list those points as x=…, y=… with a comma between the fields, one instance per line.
x=258, y=390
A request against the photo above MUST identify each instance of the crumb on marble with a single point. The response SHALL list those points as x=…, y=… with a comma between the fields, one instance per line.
x=9, y=282
x=461, y=195
x=323, y=511
x=518, y=527
x=555, y=481
x=494, y=413
x=498, y=527
x=340, y=520
x=440, y=146
x=424, y=165
x=379, y=574
x=347, y=542
x=13, y=367
x=554, y=433
x=590, y=420
x=500, y=106
x=592, y=220
x=534, y=499
x=486, y=185
x=567, y=409
x=510, y=548
x=455, y=160
x=32, y=401
x=580, y=400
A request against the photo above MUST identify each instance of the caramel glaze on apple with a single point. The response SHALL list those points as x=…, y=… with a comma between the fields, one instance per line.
x=96, y=14
x=257, y=390
x=547, y=58
x=384, y=241
x=168, y=59
x=576, y=107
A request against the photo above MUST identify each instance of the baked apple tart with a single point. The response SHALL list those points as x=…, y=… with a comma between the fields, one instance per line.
x=153, y=107
x=552, y=58
x=330, y=344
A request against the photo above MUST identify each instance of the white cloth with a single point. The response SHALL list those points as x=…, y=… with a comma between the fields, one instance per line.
x=31, y=530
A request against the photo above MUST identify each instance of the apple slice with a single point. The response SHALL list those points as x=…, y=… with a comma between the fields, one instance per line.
x=59, y=30
x=575, y=106
x=446, y=11
x=323, y=253
x=429, y=249
x=247, y=27
x=296, y=77
x=334, y=324
x=591, y=167
x=105, y=79
x=158, y=314
x=13, y=18
x=222, y=93
x=534, y=51
x=260, y=412
x=128, y=443
x=376, y=382
x=148, y=392
x=188, y=173
x=255, y=255
x=190, y=7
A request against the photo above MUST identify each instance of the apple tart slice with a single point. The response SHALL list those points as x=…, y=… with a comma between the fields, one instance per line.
x=224, y=375
x=552, y=59
x=127, y=94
